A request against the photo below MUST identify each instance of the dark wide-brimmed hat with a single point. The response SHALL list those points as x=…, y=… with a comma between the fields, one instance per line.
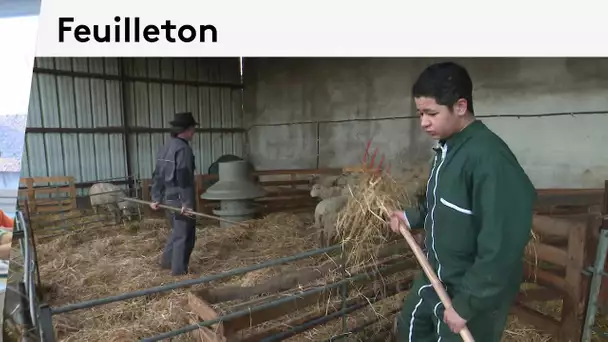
x=183, y=120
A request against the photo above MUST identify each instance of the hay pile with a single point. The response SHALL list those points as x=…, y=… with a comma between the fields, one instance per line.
x=362, y=224
x=112, y=260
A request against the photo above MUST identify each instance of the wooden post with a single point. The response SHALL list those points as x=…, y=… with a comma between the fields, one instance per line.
x=574, y=302
x=31, y=196
x=72, y=191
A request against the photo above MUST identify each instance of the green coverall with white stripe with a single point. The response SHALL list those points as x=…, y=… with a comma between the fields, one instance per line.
x=478, y=219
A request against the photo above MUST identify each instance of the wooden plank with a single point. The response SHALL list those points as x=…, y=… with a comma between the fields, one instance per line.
x=554, y=255
x=231, y=326
x=53, y=180
x=571, y=197
x=284, y=182
x=31, y=196
x=545, y=225
x=145, y=194
x=541, y=294
x=39, y=205
x=272, y=192
x=55, y=190
x=49, y=208
x=279, y=172
x=298, y=171
x=544, y=278
x=204, y=334
x=567, y=191
x=205, y=312
x=573, y=304
x=73, y=192
x=392, y=289
x=302, y=198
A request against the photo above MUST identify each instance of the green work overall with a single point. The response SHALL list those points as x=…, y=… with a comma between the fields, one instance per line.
x=478, y=218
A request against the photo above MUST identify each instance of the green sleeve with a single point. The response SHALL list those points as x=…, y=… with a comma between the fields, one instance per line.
x=416, y=215
x=503, y=199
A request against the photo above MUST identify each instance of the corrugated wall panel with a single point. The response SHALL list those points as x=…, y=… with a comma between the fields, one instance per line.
x=59, y=101
x=84, y=115
x=154, y=105
x=76, y=101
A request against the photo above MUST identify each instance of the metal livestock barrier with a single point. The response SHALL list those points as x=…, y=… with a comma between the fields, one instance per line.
x=594, y=306
x=42, y=314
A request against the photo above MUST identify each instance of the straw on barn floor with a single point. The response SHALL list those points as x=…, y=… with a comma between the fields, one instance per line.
x=109, y=261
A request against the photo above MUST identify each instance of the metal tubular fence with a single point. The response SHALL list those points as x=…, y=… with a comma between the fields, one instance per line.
x=42, y=314
x=594, y=306
x=30, y=269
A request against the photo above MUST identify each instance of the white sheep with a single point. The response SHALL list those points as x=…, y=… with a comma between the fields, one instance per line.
x=325, y=180
x=110, y=196
x=324, y=192
x=329, y=229
x=329, y=206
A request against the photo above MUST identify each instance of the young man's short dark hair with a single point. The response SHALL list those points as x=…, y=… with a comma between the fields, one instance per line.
x=445, y=82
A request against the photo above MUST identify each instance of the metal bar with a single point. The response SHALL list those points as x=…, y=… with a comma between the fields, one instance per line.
x=605, y=204
x=17, y=235
x=190, y=282
x=109, y=77
x=46, y=324
x=248, y=311
x=35, y=255
x=402, y=117
x=115, y=181
x=28, y=285
x=291, y=331
x=122, y=130
x=21, y=220
x=125, y=119
x=26, y=257
x=362, y=326
x=135, y=200
x=596, y=284
x=344, y=290
x=33, y=268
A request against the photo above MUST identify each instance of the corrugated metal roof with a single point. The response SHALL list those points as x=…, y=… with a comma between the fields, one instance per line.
x=154, y=105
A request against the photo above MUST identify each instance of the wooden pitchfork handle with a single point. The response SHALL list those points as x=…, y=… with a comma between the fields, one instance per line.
x=428, y=270
x=189, y=212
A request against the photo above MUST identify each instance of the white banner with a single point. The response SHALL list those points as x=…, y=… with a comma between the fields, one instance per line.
x=321, y=28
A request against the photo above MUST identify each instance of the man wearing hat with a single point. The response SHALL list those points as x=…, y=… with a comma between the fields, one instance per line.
x=173, y=182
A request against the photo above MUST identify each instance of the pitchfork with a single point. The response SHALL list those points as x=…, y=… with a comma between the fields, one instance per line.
x=368, y=166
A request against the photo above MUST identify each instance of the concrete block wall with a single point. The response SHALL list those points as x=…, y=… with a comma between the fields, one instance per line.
x=320, y=112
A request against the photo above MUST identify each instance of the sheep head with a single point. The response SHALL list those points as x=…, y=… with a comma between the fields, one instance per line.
x=316, y=190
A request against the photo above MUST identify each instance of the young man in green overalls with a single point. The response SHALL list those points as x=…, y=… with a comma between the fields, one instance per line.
x=477, y=217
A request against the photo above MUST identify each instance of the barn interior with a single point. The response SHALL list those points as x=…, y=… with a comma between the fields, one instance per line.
x=293, y=123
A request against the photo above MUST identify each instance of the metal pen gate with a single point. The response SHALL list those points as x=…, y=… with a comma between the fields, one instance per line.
x=41, y=314
x=594, y=306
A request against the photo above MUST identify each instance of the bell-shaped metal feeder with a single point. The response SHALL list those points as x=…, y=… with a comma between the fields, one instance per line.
x=236, y=191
